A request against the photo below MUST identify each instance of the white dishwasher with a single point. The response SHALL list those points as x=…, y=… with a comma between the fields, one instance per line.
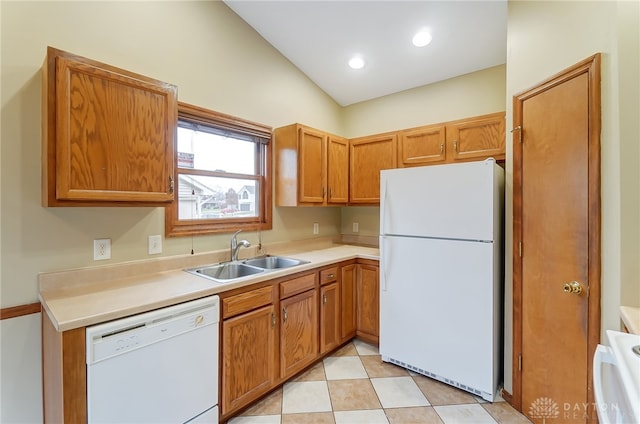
x=156, y=367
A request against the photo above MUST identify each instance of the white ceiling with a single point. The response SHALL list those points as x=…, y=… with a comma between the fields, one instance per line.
x=319, y=37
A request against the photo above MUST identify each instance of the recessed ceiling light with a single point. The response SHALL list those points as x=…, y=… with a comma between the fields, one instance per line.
x=421, y=39
x=356, y=63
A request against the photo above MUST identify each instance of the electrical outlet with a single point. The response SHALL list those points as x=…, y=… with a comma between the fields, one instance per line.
x=101, y=249
x=155, y=245
x=356, y=227
x=316, y=228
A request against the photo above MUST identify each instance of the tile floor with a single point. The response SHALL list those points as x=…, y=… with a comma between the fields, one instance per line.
x=355, y=386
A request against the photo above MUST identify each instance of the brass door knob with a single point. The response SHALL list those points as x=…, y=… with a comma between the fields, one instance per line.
x=572, y=287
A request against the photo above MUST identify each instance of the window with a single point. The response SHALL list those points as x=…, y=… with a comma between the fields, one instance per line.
x=222, y=174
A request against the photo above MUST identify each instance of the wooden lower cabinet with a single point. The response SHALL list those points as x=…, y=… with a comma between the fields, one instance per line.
x=348, y=302
x=368, y=294
x=249, y=362
x=330, y=337
x=298, y=332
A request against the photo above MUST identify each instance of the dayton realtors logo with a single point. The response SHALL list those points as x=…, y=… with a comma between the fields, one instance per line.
x=544, y=408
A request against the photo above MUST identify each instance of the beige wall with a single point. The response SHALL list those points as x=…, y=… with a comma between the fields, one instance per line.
x=543, y=39
x=216, y=61
x=473, y=94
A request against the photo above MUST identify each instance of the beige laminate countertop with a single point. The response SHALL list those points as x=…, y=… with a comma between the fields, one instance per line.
x=82, y=297
x=631, y=318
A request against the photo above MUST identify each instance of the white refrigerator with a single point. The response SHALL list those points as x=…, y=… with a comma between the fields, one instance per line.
x=441, y=279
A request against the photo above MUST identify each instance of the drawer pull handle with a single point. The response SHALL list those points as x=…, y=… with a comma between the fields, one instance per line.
x=330, y=275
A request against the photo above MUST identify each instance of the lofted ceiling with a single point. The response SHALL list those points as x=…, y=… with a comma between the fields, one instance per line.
x=319, y=37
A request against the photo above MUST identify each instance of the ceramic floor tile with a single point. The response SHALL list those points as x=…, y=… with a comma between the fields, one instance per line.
x=353, y=394
x=347, y=350
x=374, y=416
x=270, y=405
x=376, y=368
x=262, y=419
x=315, y=373
x=442, y=394
x=309, y=418
x=365, y=348
x=415, y=415
x=398, y=392
x=504, y=413
x=461, y=414
x=344, y=368
x=305, y=396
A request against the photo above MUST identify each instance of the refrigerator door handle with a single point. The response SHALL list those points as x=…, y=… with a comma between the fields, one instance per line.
x=384, y=264
x=383, y=209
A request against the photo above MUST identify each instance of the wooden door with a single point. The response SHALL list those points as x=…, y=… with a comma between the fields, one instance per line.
x=299, y=332
x=337, y=170
x=312, y=166
x=329, y=317
x=477, y=138
x=422, y=146
x=367, y=157
x=557, y=242
x=368, y=284
x=248, y=357
x=348, y=304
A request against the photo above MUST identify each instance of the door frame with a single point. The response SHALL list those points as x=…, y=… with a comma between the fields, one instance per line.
x=590, y=66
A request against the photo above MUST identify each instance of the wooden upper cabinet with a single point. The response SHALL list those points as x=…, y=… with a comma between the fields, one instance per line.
x=311, y=167
x=108, y=134
x=422, y=146
x=477, y=138
x=367, y=157
x=337, y=170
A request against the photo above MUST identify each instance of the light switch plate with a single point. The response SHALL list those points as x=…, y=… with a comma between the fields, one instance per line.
x=155, y=245
x=101, y=249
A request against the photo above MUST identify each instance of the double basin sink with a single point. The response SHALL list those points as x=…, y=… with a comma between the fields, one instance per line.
x=228, y=272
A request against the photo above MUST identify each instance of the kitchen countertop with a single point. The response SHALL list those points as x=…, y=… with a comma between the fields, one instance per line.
x=87, y=296
x=631, y=318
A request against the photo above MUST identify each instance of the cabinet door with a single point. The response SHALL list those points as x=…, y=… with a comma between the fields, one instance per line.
x=477, y=138
x=298, y=332
x=329, y=317
x=367, y=157
x=368, y=302
x=249, y=362
x=109, y=134
x=312, y=166
x=338, y=170
x=422, y=146
x=348, y=305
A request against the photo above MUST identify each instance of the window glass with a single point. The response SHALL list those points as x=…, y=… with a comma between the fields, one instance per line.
x=222, y=174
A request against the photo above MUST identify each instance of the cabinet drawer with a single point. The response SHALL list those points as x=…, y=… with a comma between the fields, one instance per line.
x=329, y=275
x=297, y=285
x=247, y=301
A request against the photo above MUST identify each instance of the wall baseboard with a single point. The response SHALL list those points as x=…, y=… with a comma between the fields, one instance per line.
x=20, y=310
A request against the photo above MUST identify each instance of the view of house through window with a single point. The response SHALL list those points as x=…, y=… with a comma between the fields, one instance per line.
x=204, y=196
x=222, y=174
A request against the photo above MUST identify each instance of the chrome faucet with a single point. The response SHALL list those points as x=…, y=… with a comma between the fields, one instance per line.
x=236, y=245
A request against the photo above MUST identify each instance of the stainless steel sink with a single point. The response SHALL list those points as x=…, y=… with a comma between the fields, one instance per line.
x=274, y=262
x=226, y=272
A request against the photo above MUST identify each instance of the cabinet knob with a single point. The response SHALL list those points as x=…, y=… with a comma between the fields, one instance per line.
x=284, y=314
x=273, y=320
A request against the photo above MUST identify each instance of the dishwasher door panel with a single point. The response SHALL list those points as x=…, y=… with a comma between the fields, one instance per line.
x=170, y=375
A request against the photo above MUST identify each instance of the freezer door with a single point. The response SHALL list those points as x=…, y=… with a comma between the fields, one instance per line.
x=439, y=309
x=459, y=201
